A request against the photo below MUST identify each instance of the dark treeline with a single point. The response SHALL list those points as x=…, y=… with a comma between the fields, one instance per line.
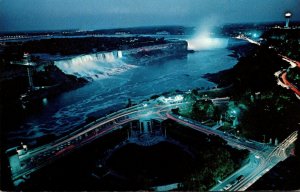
x=253, y=72
x=174, y=30
x=75, y=46
x=273, y=111
x=285, y=42
x=215, y=159
x=293, y=75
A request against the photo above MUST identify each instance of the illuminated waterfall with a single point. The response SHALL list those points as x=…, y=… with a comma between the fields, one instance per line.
x=206, y=43
x=203, y=40
x=94, y=66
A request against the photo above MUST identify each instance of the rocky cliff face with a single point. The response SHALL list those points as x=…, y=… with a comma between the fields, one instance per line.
x=156, y=53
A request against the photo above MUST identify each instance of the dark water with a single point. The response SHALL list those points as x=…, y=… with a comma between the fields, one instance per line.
x=70, y=109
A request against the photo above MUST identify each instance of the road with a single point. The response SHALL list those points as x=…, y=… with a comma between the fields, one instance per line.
x=282, y=76
x=284, y=83
x=247, y=39
x=263, y=157
x=277, y=155
x=41, y=156
x=289, y=84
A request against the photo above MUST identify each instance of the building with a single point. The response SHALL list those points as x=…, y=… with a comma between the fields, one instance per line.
x=287, y=15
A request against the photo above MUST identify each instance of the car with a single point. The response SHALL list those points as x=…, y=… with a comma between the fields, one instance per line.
x=227, y=186
x=240, y=177
x=234, y=182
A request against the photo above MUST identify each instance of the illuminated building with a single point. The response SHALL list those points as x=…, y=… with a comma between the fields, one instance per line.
x=287, y=15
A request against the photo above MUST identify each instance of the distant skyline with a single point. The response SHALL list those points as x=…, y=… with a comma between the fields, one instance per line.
x=26, y=15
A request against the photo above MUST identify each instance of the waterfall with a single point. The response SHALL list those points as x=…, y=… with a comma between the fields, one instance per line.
x=206, y=43
x=94, y=66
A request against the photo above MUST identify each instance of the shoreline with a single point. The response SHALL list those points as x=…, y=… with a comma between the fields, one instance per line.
x=101, y=113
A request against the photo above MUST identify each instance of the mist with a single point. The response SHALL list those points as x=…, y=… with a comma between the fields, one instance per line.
x=203, y=38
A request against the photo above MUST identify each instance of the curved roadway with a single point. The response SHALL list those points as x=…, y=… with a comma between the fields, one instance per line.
x=263, y=157
x=39, y=157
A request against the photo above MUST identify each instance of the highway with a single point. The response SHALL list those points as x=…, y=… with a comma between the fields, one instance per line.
x=282, y=76
x=262, y=157
x=282, y=80
x=289, y=84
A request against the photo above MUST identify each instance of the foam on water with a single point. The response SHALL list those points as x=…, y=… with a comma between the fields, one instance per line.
x=95, y=66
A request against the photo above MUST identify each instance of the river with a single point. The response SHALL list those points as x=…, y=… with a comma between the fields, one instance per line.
x=70, y=109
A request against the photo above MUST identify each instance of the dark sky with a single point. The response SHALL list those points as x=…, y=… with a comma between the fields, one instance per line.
x=96, y=14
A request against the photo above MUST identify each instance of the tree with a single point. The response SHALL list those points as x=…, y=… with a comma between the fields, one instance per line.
x=175, y=111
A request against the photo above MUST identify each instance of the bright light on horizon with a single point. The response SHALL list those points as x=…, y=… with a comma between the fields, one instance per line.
x=288, y=14
x=206, y=43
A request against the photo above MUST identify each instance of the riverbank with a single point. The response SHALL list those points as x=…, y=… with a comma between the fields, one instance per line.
x=271, y=112
x=71, y=109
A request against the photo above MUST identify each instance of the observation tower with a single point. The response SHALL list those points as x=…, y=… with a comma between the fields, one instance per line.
x=287, y=16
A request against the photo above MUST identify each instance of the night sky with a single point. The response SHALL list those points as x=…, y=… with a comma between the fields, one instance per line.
x=18, y=15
